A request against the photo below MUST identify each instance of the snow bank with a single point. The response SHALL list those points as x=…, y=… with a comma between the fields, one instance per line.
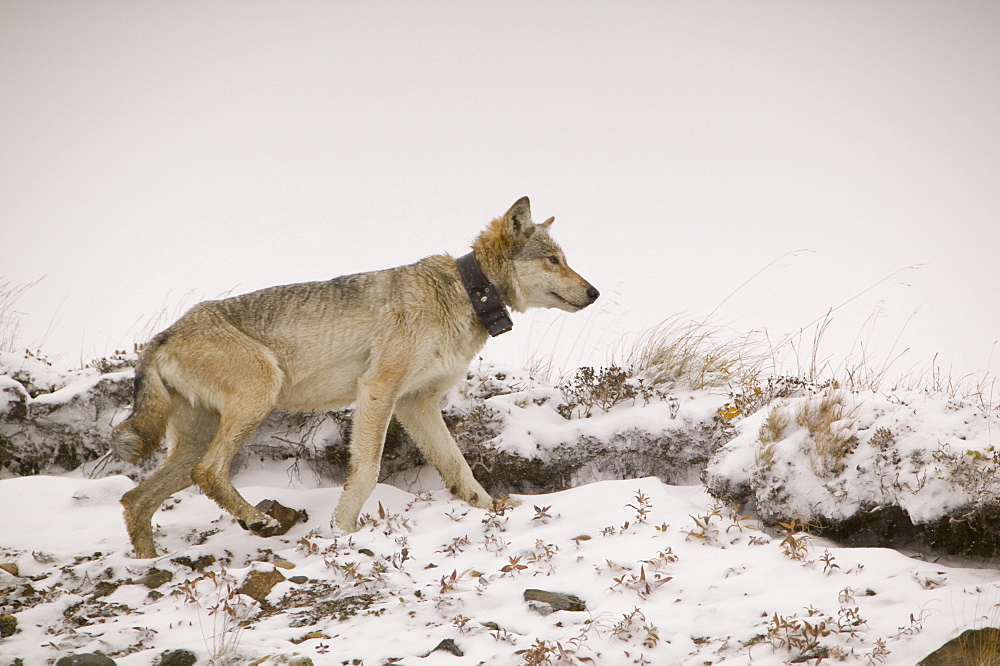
x=896, y=467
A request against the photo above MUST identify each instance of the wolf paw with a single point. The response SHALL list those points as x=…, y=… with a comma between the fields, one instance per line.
x=481, y=501
x=343, y=524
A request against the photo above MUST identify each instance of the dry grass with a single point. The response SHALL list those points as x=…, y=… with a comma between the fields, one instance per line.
x=860, y=369
x=695, y=355
x=832, y=430
x=827, y=420
x=772, y=431
x=980, y=647
x=978, y=388
x=9, y=318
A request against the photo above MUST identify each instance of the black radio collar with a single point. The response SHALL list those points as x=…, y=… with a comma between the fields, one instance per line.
x=484, y=296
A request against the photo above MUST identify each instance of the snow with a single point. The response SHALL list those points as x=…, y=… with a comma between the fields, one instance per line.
x=434, y=568
x=928, y=454
x=668, y=575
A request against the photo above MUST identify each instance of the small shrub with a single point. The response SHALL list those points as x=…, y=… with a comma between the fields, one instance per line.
x=388, y=523
x=974, y=472
x=642, y=506
x=635, y=625
x=551, y=653
x=703, y=529
x=601, y=389
x=800, y=635
x=795, y=545
x=120, y=360
x=230, y=611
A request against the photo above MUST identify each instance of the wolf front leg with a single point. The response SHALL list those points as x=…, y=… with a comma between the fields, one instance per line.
x=420, y=414
x=375, y=401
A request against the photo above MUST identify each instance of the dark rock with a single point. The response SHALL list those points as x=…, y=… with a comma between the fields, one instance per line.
x=8, y=625
x=104, y=588
x=195, y=565
x=177, y=658
x=286, y=518
x=85, y=660
x=155, y=578
x=259, y=583
x=449, y=645
x=975, y=646
x=555, y=600
x=299, y=580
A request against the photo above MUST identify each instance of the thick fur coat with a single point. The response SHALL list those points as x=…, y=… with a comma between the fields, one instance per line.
x=390, y=342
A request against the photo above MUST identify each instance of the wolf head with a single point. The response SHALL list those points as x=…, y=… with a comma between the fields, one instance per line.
x=529, y=267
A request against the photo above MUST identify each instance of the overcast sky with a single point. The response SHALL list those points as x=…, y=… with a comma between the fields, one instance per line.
x=153, y=154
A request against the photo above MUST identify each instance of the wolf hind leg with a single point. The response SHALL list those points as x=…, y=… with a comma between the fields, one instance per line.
x=420, y=415
x=212, y=472
x=191, y=428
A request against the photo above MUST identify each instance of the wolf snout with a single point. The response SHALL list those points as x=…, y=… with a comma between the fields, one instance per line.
x=590, y=295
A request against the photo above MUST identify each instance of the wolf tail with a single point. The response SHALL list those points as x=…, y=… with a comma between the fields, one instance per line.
x=139, y=436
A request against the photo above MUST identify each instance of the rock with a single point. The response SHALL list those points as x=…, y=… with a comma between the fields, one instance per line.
x=259, y=583
x=10, y=567
x=286, y=517
x=104, y=588
x=555, y=600
x=195, y=565
x=13, y=399
x=975, y=646
x=155, y=578
x=48, y=429
x=449, y=645
x=88, y=659
x=8, y=625
x=177, y=658
x=298, y=580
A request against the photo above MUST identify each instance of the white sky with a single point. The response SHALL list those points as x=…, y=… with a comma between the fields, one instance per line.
x=156, y=153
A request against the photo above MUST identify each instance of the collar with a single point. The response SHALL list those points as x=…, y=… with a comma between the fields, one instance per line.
x=484, y=296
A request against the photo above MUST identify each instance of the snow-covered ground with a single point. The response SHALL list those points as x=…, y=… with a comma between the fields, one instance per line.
x=667, y=576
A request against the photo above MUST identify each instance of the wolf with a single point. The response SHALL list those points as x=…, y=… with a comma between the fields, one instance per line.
x=391, y=342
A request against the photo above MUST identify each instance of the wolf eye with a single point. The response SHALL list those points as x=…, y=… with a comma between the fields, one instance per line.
x=553, y=259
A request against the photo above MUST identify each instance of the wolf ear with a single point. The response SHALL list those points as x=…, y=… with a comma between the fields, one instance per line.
x=547, y=223
x=518, y=220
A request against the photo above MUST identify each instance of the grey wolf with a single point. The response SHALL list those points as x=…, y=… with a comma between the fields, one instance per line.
x=390, y=341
